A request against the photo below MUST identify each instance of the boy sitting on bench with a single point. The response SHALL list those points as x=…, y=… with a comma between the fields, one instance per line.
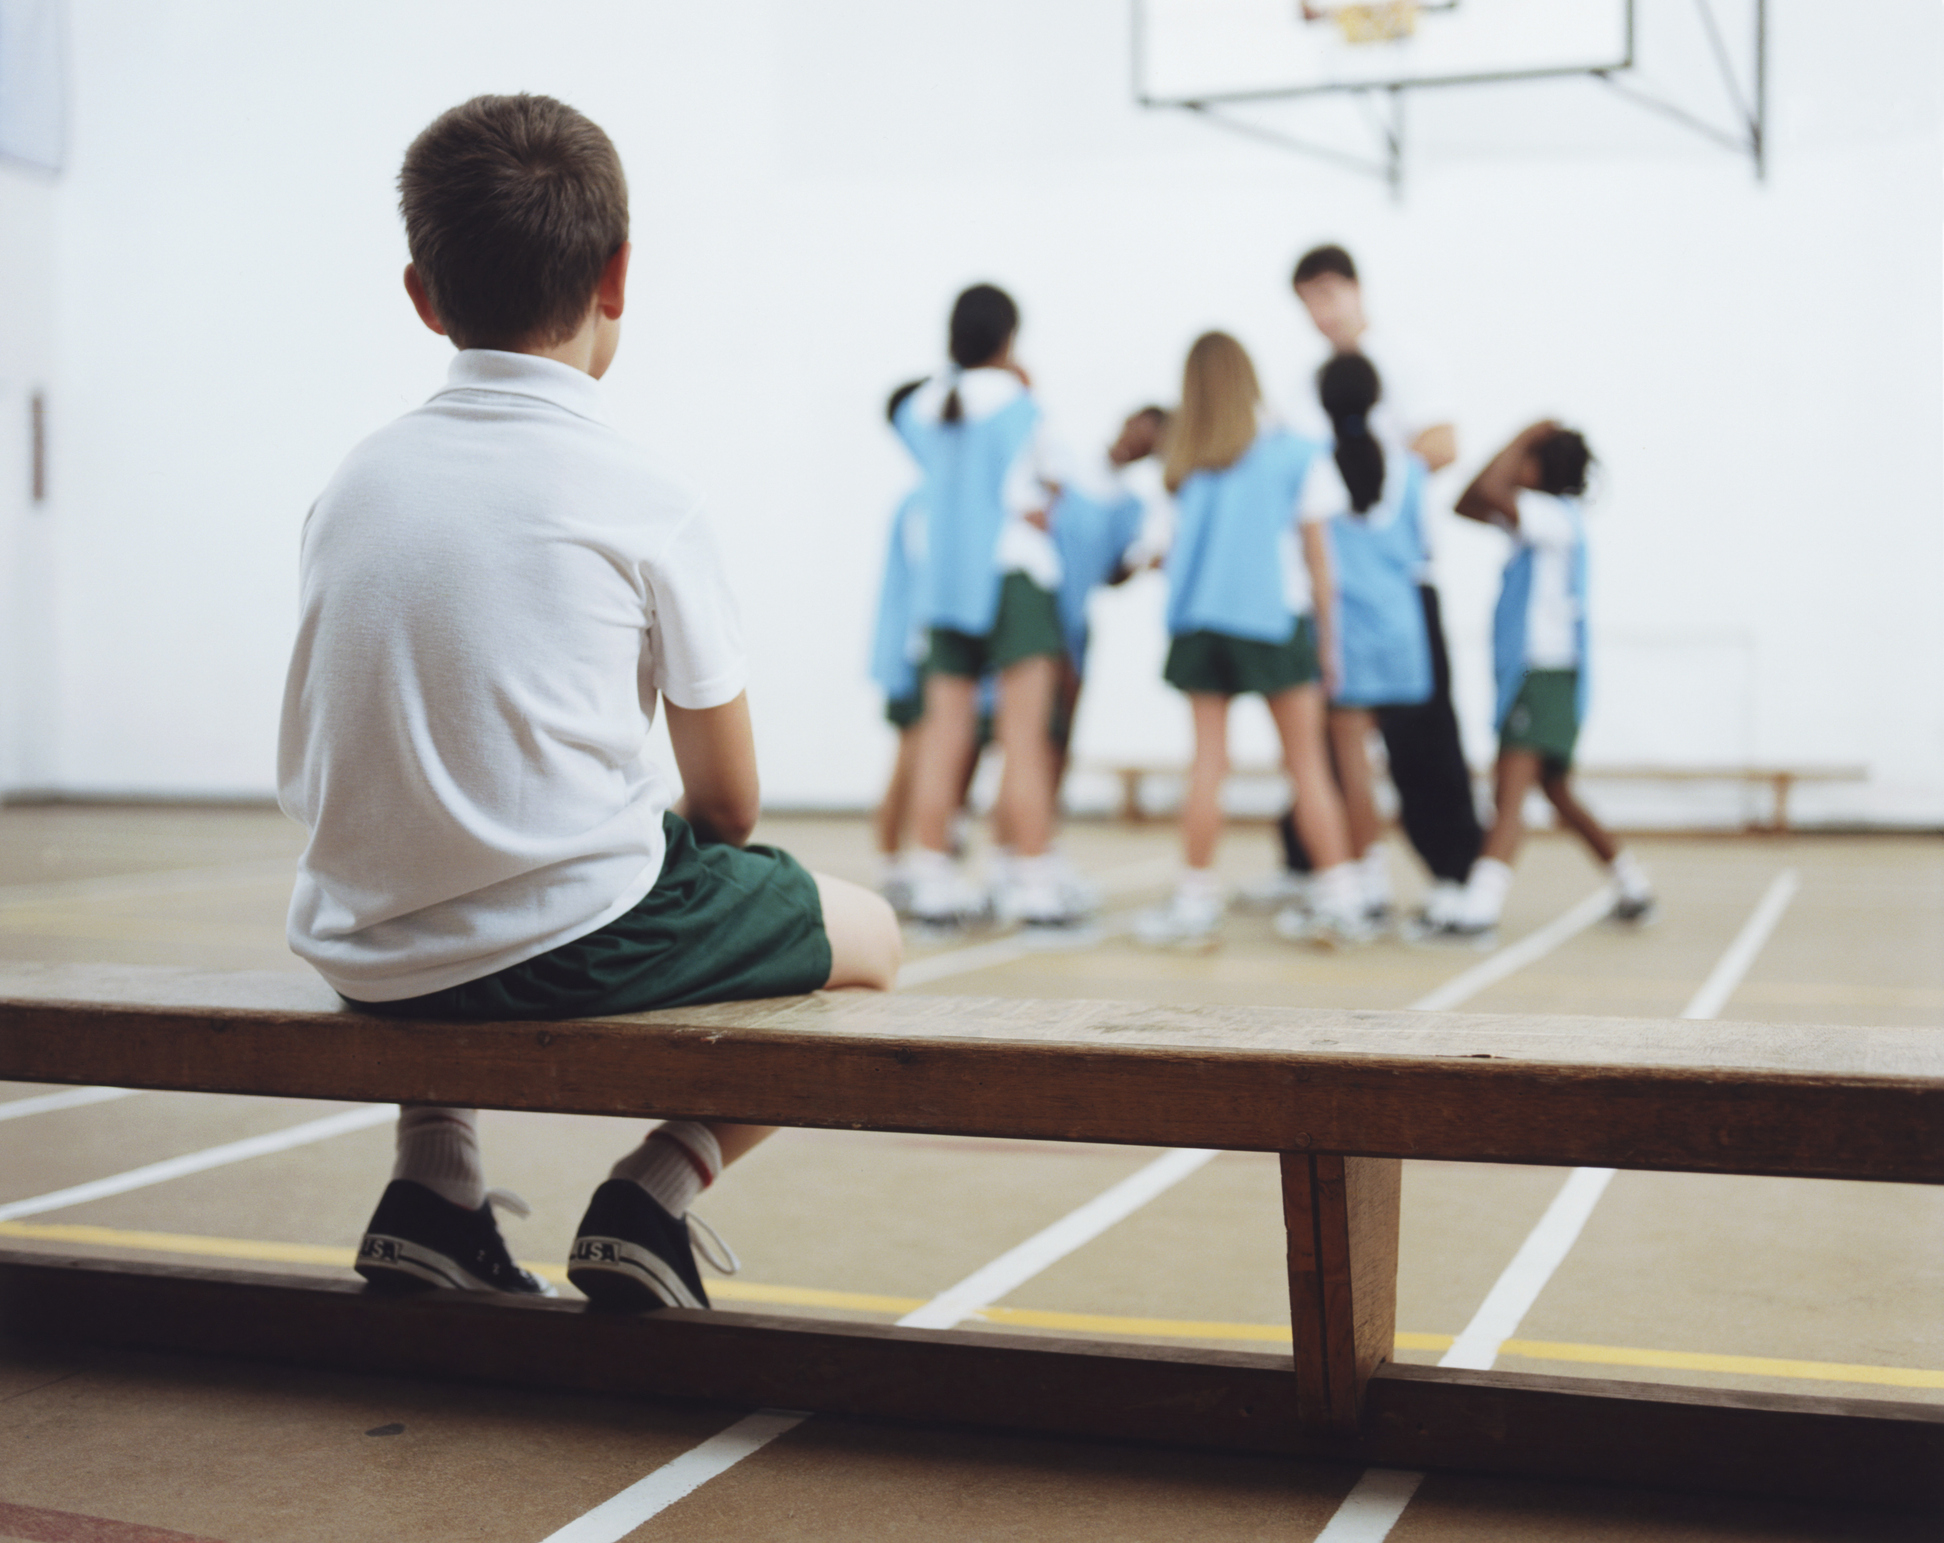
x=495, y=589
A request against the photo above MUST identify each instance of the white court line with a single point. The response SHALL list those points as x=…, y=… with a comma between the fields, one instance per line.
x=68, y=1098
x=1546, y=1246
x=615, y=1519
x=1531, y=948
x=362, y=1118
x=1016, y=1266
x=1372, y=1507
x=1733, y=965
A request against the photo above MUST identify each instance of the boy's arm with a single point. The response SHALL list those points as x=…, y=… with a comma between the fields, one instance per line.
x=1316, y=555
x=1493, y=496
x=715, y=751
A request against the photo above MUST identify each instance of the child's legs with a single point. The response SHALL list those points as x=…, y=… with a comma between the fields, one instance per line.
x=1350, y=730
x=1559, y=792
x=946, y=736
x=865, y=950
x=1066, y=705
x=1026, y=781
x=865, y=944
x=1201, y=810
x=1298, y=713
x=1517, y=774
x=895, y=808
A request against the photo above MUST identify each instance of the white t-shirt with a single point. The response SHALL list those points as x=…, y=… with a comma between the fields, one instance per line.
x=493, y=590
x=1552, y=610
x=1023, y=546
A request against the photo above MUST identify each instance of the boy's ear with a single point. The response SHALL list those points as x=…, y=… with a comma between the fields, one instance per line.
x=421, y=301
x=612, y=296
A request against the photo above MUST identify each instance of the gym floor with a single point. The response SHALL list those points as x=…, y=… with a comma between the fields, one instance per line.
x=1799, y=1286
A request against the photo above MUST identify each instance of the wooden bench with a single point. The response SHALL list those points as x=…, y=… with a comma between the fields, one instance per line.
x=1342, y=1096
x=1779, y=779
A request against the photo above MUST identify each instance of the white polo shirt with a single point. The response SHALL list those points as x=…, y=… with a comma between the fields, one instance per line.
x=493, y=591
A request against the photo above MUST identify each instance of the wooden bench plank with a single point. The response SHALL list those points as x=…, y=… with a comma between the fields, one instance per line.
x=1878, y=1453
x=1700, y=1097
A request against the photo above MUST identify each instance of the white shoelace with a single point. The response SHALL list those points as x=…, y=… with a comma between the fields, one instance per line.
x=507, y=1200
x=714, y=1250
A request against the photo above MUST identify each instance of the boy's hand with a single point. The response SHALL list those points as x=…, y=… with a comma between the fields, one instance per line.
x=715, y=751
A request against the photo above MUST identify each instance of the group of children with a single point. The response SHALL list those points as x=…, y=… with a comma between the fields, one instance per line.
x=1298, y=569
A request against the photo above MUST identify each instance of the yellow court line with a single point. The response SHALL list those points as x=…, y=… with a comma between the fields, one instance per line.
x=1102, y=1324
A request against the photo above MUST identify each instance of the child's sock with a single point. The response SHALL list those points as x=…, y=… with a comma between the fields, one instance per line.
x=439, y=1148
x=1630, y=877
x=675, y=1164
x=1374, y=871
x=1339, y=892
x=1199, y=887
x=1485, y=892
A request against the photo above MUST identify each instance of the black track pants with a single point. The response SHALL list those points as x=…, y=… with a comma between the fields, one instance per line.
x=1427, y=766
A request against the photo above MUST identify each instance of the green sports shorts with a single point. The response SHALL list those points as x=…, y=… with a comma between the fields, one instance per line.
x=1217, y=664
x=722, y=924
x=1545, y=718
x=1026, y=626
x=903, y=712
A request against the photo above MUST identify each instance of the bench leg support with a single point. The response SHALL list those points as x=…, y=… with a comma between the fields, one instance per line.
x=1341, y=1213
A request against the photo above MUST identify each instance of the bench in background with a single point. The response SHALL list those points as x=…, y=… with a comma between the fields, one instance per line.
x=1780, y=780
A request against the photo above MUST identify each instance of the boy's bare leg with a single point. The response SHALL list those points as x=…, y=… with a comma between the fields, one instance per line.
x=1026, y=782
x=1350, y=731
x=894, y=809
x=1517, y=774
x=947, y=741
x=1201, y=808
x=1298, y=713
x=1559, y=792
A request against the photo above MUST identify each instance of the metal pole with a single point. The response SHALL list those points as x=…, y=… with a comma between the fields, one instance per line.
x=1758, y=130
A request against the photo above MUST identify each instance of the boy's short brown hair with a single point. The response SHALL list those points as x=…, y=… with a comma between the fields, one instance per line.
x=513, y=206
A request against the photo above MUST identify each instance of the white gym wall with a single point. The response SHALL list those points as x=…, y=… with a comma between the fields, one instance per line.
x=211, y=296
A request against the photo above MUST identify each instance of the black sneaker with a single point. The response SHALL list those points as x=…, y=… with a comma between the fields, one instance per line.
x=630, y=1253
x=1638, y=909
x=420, y=1241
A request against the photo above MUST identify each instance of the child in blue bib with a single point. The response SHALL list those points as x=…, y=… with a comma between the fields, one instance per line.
x=1251, y=608
x=1532, y=491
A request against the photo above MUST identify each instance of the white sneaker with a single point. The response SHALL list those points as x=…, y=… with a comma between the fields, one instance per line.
x=1189, y=921
x=942, y=896
x=1039, y=894
x=1076, y=890
x=1284, y=887
x=1323, y=929
x=895, y=885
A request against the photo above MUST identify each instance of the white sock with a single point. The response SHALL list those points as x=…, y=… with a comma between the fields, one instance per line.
x=1198, y=886
x=1338, y=891
x=1001, y=867
x=1444, y=902
x=439, y=1148
x=1374, y=870
x=1485, y=891
x=675, y=1164
x=1629, y=876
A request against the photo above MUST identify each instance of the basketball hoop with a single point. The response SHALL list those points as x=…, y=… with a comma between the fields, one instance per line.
x=1375, y=21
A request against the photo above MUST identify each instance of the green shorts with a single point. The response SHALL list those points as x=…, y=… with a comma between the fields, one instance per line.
x=722, y=924
x=1215, y=663
x=1545, y=718
x=1026, y=626
x=903, y=712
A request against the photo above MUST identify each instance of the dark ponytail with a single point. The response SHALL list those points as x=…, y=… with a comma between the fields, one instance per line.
x=1349, y=388
x=984, y=319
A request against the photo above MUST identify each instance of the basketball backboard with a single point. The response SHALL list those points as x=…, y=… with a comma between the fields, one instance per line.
x=1201, y=51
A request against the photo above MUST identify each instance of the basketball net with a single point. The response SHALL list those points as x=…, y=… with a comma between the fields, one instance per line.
x=1379, y=21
